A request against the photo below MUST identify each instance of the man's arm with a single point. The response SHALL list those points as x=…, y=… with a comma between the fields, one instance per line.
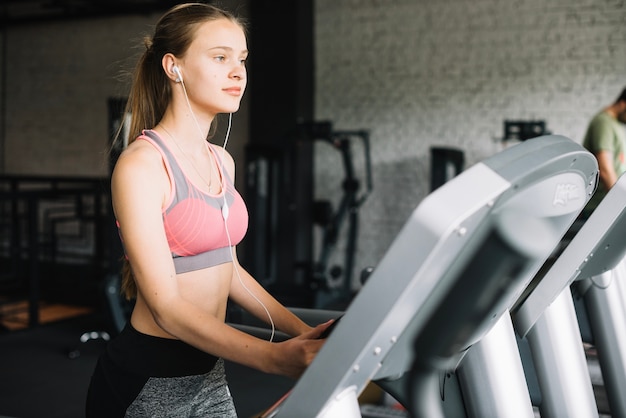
x=608, y=176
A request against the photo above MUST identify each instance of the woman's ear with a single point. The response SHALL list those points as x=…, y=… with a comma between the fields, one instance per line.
x=171, y=69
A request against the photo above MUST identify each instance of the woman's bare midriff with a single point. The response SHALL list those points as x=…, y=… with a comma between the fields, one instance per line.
x=207, y=289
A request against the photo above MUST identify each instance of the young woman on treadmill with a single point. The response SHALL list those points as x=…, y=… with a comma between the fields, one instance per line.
x=180, y=219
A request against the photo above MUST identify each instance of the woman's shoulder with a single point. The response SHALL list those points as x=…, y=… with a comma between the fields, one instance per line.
x=139, y=162
x=140, y=155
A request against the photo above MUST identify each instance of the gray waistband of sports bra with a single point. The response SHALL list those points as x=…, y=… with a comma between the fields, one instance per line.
x=203, y=260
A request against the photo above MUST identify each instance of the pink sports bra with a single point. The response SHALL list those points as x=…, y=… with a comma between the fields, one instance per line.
x=197, y=233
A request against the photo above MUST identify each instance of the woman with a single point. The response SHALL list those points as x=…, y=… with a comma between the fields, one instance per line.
x=180, y=218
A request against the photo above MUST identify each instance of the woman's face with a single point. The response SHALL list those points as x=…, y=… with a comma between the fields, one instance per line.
x=213, y=68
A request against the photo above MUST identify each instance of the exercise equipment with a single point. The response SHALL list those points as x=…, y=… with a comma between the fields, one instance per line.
x=593, y=263
x=334, y=284
x=283, y=214
x=445, y=163
x=459, y=263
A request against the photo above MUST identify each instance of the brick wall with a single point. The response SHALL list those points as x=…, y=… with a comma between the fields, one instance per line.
x=429, y=73
x=415, y=74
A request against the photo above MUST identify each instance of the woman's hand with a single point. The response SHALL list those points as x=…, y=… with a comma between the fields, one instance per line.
x=292, y=357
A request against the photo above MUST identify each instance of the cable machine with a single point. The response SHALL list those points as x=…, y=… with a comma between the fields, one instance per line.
x=279, y=193
x=334, y=283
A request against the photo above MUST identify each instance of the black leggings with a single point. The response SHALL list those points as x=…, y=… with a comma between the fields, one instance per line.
x=143, y=375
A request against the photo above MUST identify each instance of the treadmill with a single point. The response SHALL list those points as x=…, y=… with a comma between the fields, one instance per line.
x=593, y=265
x=458, y=265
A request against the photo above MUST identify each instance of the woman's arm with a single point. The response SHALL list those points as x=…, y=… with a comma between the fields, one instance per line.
x=249, y=294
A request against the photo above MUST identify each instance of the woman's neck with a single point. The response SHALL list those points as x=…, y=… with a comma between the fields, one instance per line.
x=190, y=132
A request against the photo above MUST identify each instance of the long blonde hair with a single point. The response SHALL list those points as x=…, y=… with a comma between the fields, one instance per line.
x=151, y=92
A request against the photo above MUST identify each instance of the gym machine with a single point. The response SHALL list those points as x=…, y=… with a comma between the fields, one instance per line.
x=334, y=283
x=279, y=193
x=449, y=278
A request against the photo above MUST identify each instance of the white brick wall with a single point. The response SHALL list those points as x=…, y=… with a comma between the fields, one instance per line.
x=449, y=72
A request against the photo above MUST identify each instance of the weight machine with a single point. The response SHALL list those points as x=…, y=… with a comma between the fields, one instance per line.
x=334, y=284
x=283, y=214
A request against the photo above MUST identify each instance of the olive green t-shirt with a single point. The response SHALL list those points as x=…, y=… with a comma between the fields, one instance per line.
x=605, y=133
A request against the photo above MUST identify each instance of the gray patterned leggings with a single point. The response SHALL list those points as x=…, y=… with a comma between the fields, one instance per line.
x=144, y=376
x=189, y=396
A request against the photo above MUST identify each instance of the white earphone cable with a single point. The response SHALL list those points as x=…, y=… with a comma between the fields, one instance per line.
x=225, y=208
x=235, y=266
x=193, y=115
x=232, y=255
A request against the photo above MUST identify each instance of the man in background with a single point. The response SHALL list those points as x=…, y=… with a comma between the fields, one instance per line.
x=606, y=139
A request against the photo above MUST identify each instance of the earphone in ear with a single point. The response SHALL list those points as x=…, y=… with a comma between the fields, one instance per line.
x=179, y=75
